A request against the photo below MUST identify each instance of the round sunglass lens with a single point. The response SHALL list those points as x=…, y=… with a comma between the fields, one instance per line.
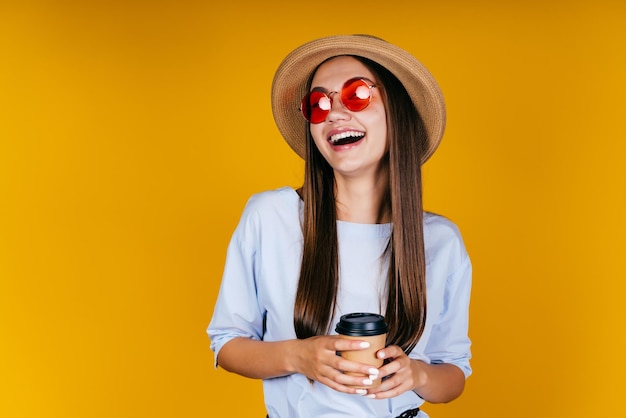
x=315, y=106
x=356, y=95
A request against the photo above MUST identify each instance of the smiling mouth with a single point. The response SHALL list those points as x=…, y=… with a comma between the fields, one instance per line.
x=345, y=138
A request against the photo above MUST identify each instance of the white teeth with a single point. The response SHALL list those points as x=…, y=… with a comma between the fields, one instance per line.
x=342, y=135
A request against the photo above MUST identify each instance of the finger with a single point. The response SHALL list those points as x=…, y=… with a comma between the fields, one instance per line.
x=354, y=366
x=394, y=366
x=350, y=374
x=386, y=394
x=345, y=383
x=389, y=352
x=390, y=388
x=345, y=344
x=355, y=381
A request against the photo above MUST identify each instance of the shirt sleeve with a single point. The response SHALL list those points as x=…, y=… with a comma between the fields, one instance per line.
x=237, y=312
x=449, y=342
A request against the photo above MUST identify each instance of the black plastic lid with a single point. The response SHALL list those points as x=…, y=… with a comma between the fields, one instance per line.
x=361, y=324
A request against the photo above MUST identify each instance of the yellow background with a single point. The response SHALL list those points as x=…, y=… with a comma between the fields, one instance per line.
x=133, y=132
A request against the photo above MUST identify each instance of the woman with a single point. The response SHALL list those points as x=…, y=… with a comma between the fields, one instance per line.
x=353, y=238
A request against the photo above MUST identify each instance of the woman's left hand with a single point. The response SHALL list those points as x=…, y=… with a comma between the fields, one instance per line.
x=401, y=374
x=435, y=383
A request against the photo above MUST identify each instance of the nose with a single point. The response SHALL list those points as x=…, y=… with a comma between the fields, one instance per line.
x=337, y=109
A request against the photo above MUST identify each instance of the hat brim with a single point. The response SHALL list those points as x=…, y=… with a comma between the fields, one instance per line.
x=290, y=84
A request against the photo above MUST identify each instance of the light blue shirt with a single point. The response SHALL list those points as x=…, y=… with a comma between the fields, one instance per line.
x=258, y=290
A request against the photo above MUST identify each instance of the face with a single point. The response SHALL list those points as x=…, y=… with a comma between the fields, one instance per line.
x=353, y=143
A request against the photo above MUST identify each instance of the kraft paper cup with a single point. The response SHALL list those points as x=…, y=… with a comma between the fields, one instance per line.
x=363, y=326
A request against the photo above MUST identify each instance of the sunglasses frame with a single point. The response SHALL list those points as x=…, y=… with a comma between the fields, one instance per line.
x=366, y=82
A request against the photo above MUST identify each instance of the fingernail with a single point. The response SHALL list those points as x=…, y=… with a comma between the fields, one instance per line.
x=371, y=396
x=380, y=354
x=373, y=376
x=373, y=372
x=367, y=382
x=364, y=344
x=361, y=391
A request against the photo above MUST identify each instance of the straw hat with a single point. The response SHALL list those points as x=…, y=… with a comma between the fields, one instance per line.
x=289, y=85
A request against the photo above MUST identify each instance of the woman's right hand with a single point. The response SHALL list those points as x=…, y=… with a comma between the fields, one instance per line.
x=316, y=358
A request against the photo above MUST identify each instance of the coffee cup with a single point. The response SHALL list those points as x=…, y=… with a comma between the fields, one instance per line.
x=363, y=326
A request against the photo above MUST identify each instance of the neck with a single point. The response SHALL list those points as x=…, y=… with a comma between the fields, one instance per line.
x=362, y=200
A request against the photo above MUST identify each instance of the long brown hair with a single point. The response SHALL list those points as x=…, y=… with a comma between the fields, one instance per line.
x=406, y=282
